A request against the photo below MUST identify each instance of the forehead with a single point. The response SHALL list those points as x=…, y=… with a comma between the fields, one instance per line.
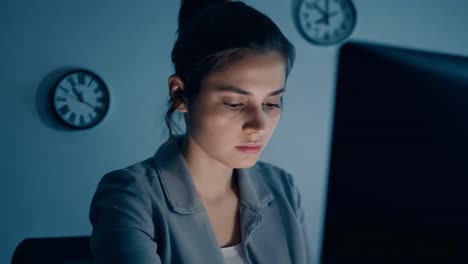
x=255, y=73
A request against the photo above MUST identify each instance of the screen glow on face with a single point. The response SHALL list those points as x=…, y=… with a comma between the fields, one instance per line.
x=238, y=106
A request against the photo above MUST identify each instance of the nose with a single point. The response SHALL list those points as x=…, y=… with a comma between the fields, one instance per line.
x=256, y=122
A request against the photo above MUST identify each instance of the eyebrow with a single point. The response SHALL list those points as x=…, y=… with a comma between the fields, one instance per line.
x=244, y=92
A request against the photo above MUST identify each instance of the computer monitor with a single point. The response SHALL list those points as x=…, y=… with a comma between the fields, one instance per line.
x=398, y=174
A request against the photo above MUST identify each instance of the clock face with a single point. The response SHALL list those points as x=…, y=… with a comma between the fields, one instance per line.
x=81, y=99
x=325, y=22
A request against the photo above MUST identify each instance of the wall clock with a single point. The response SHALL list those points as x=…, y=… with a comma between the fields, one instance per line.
x=80, y=99
x=325, y=22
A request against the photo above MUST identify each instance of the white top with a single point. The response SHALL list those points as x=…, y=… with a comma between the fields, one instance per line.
x=234, y=254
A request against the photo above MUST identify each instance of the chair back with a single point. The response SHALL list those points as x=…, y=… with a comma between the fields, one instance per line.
x=56, y=250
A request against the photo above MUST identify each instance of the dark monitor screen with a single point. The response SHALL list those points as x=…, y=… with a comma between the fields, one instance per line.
x=398, y=175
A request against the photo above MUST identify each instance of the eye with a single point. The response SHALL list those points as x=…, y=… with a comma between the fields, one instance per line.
x=272, y=106
x=233, y=106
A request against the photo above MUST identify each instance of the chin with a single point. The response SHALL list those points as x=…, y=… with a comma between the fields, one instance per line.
x=245, y=164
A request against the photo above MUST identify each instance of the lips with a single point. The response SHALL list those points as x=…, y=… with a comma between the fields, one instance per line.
x=251, y=149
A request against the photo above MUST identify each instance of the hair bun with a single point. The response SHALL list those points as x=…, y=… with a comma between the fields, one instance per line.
x=189, y=8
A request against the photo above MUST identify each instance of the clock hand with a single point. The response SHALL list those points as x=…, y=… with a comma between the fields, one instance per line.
x=73, y=97
x=88, y=104
x=332, y=14
x=325, y=18
x=326, y=14
x=78, y=95
x=327, y=11
x=82, y=101
x=320, y=21
x=319, y=9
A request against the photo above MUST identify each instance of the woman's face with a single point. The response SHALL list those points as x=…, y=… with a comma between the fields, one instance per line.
x=239, y=106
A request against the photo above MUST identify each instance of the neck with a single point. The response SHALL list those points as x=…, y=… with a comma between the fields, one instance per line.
x=213, y=179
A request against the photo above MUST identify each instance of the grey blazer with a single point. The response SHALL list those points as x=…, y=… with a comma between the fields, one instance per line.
x=150, y=213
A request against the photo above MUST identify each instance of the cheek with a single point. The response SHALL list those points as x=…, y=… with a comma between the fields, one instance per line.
x=215, y=119
x=274, y=120
x=235, y=120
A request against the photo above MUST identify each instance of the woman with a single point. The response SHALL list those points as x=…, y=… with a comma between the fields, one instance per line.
x=204, y=197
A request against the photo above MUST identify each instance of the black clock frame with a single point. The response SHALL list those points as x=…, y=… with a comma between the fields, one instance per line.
x=296, y=17
x=102, y=84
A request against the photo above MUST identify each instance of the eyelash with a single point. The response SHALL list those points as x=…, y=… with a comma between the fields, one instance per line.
x=236, y=106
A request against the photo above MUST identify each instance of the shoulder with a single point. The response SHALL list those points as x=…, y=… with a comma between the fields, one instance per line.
x=142, y=173
x=121, y=213
x=126, y=186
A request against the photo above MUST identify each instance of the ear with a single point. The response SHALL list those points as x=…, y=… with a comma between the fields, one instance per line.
x=176, y=91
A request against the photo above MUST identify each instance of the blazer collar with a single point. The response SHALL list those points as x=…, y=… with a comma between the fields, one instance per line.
x=179, y=188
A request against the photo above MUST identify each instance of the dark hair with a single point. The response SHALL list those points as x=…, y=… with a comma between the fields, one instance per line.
x=213, y=34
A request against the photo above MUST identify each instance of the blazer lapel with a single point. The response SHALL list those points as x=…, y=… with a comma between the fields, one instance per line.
x=182, y=198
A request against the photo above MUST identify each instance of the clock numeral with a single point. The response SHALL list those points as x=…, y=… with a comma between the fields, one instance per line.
x=326, y=36
x=101, y=99
x=344, y=25
x=71, y=81
x=61, y=99
x=90, y=82
x=63, y=89
x=82, y=122
x=97, y=89
x=347, y=11
x=91, y=117
x=81, y=78
x=98, y=110
x=72, y=118
x=336, y=32
x=342, y=4
x=317, y=31
x=64, y=110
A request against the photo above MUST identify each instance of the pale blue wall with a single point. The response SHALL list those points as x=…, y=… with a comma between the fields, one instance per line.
x=49, y=175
